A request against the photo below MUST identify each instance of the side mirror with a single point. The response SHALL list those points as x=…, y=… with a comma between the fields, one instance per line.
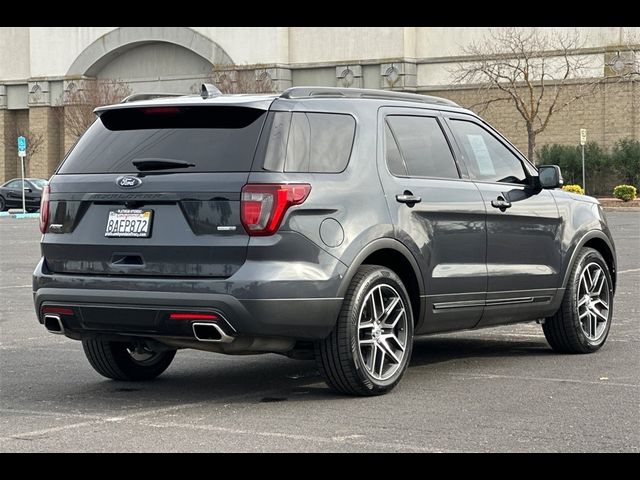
x=549, y=176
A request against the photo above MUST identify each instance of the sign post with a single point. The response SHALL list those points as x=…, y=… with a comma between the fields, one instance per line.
x=22, y=152
x=583, y=141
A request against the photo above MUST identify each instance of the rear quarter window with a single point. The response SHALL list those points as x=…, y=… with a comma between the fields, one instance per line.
x=304, y=142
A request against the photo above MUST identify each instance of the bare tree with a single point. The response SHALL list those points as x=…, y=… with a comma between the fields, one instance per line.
x=232, y=79
x=35, y=140
x=531, y=69
x=79, y=102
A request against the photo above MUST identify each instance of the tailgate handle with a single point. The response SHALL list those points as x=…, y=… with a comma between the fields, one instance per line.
x=126, y=259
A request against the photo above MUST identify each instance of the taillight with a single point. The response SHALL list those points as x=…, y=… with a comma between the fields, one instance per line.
x=44, y=209
x=263, y=205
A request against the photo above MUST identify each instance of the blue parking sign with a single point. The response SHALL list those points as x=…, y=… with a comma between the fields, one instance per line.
x=22, y=144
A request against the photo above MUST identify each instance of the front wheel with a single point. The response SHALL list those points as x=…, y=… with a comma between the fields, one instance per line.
x=369, y=349
x=123, y=361
x=582, y=323
x=3, y=204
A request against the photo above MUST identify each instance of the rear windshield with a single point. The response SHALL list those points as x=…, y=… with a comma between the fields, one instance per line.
x=215, y=139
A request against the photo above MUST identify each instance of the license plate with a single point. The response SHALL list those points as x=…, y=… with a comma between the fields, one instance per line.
x=129, y=223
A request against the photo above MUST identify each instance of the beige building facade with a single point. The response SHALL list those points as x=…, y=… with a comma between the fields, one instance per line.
x=39, y=64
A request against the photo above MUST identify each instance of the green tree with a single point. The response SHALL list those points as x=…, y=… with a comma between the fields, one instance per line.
x=626, y=160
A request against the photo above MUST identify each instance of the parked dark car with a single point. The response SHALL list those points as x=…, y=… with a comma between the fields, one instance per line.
x=11, y=193
x=334, y=224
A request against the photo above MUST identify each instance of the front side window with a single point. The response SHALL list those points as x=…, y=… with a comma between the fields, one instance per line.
x=487, y=159
x=16, y=184
x=416, y=146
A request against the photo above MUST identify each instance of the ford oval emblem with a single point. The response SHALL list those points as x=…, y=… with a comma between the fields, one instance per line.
x=128, y=182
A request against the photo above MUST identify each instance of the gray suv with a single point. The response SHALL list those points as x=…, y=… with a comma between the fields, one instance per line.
x=325, y=223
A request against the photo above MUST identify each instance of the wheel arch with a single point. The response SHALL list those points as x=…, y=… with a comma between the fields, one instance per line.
x=390, y=253
x=599, y=241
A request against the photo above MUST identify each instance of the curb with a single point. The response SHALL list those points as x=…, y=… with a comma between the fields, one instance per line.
x=19, y=215
x=623, y=209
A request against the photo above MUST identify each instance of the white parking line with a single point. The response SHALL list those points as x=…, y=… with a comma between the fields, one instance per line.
x=630, y=270
x=15, y=286
x=539, y=379
x=337, y=440
x=132, y=416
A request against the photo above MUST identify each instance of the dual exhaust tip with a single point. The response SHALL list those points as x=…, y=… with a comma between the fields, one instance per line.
x=203, y=331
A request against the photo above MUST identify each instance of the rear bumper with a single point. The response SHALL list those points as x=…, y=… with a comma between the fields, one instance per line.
x=262, y=313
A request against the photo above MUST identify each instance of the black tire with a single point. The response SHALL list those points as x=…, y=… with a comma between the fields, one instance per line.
x=564, y=330
x=3, y=204
x=339, y=358
x=113, y=360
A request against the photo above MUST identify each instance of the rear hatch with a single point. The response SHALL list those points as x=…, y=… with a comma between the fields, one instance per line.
x=154, y=191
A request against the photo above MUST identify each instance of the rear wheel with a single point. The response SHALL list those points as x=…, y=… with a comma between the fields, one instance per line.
x=369, y=349
x=123, y=361
x=582, y=323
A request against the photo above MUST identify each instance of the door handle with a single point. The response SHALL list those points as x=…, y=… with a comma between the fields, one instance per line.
x=500, y=203
x=408, y=198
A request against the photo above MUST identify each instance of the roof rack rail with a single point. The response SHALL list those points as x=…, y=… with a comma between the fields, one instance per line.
x=306, y=92
x=149, y=96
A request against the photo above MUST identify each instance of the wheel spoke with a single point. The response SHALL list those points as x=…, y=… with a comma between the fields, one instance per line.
x=389, y=309
x=593, y=325
x=374, y=312
x=368, y=342
x=582, y=301
x=583, y=282
x=584, y=314
x=589, y=278
x=601, y=302
x=594, y=281
x=373, y=356
x=395, y=322
x=391, y=336
x=365, y=325
x=598, y=313
x=384, y=347
x=382, y=354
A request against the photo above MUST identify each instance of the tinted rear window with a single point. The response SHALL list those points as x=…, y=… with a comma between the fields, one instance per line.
x=423, y=148
x=215, y=139
x=309, y=142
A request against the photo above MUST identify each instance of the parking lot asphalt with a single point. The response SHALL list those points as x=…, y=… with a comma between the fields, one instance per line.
x=498, y=389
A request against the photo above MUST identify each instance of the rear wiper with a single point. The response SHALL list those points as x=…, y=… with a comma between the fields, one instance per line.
x=147, y=164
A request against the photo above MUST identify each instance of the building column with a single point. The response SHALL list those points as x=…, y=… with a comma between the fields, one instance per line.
x=43, y=127
x=8, y=146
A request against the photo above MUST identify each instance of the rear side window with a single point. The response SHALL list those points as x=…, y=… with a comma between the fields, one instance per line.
x=421, y=146
x=309, y=142
x=215, y=139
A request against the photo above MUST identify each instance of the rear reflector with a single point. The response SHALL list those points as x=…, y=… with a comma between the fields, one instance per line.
x=193, y=316
x=44, y=209
x=58, y=310
x=263, y=205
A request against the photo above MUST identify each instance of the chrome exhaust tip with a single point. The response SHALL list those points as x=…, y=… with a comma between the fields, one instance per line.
x=210, y=332
x=53, y=324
